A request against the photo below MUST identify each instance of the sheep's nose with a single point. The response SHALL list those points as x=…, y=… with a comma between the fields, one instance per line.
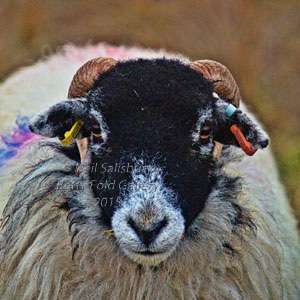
x=147, y=236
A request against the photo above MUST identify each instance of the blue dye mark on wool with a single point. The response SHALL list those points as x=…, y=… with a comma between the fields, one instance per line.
x=15, y=139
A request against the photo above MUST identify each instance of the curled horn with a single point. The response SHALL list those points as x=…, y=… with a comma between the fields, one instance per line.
x=224, y=85
x=84, y=78
x=82, y=82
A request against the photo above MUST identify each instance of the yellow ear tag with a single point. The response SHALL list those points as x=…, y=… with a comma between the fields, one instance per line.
x=72, y=133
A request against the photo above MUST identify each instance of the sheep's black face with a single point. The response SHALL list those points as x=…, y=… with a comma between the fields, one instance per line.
x=152, y=167
x=154, y=178
x=150, y=110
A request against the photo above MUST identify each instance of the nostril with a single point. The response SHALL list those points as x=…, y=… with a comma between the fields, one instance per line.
x=160, y=225
x=147, y=236
x=133, y=225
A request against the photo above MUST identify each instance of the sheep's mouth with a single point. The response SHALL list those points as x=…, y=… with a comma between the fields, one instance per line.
x=148, y=253
x=147, y=257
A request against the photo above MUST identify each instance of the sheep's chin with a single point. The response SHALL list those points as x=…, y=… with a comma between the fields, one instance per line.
x=148, y=260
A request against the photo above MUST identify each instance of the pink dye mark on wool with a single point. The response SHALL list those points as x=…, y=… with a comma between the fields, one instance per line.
x=82, y=55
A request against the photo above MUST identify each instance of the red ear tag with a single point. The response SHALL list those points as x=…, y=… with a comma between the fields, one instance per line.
x=245, y=145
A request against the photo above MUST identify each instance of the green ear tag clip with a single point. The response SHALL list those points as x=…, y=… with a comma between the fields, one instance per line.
x=72, y=133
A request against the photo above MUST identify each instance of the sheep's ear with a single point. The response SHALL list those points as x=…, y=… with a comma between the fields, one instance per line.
x=59, y=118
x=234, y=127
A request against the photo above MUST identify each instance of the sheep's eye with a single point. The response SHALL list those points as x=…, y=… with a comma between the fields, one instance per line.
x=205, y=132
x=96, y=130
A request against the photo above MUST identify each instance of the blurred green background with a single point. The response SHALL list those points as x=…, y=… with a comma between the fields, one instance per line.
x=259, y=41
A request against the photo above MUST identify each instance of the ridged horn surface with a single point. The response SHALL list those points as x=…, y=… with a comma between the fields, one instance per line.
x=84, y=78
x=224, y=85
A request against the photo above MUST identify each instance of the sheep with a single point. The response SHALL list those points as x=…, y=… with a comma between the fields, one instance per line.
x=154, y=199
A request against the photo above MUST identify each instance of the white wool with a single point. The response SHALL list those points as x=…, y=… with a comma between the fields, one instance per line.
x=36, y=263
